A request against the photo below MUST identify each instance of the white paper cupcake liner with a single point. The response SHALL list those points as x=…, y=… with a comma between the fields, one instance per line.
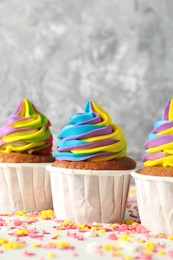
x=88, y=196
x=24, y=187
x=154, y=197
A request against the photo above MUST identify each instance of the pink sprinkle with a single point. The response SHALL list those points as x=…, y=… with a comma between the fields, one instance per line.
x=75, y=254
x=144, y=256
x=35, y=236
x=33, y=231
x=27, y=253
x=45, y=232
x=17, y=222
x=170, y=253
x=80, y=238
x=112, y=237
x=108, y=229
x=132, y=215
x=162, y=245
x=1, y=251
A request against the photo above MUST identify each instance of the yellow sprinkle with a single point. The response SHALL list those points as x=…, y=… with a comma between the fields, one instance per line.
x=21, y=213
x=170, y=237
x=82, y=226
x=108, y=247
x=32, y=218
x=46, y=214
x=56, y=235
x=135, y=223
x=51, y=255
x=150, y=245
x=35, y=245
x=101, y=231
x=68, y=222
x=3, y=241
x=128, y=221
x=13, y=245
x=161, y=252
x=21, y=232
x=127, y=238
x=116, y=253
x=49, y=212
x=61, y=228
x=113, y=225
x=62, y=244
x=95, y=228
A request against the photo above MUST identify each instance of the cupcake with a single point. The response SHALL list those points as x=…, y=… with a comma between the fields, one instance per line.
x=25, y=151
x=91, y=174
x=154, y=182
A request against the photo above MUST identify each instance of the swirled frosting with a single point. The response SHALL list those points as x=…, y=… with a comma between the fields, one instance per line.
x=90, y=136
x=159, y=146
x=26, y=131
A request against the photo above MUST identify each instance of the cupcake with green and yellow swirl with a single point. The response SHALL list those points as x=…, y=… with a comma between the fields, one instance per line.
x=25, y=151
x=91, y=171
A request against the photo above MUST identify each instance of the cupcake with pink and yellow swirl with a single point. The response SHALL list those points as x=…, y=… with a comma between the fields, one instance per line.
x=25, y=151
x=91, y=173
x=154, y=182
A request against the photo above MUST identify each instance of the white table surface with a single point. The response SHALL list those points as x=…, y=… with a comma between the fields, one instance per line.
x=93, y=245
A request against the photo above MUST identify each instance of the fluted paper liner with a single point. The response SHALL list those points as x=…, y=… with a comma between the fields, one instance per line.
x=88, y=196
x=154, y=198
x=24, y=187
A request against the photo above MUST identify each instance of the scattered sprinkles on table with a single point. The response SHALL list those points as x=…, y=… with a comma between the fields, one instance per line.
x=39, y=235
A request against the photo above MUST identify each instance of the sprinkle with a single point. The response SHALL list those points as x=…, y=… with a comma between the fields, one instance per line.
x=13, y=245
x=101, y=231
x=21, y=213
x=17, y=222
x=3, y=241
x=21, y=233
x=112, y=237
x=116, y=253
x=28, y=253
x=170, y=237
x=107, y=247
x=35, y=245
x=170, y=253
x=51, y=255
x=55, y=236
x=161, y=252
x=63, y=245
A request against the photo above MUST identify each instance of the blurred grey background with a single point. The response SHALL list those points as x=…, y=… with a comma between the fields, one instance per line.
x=61, y=53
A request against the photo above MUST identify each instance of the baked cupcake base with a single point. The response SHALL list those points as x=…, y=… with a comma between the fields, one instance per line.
x=154, y=197
x=157, y=171
x=24, y=158
x=125, y=163
x=88, y=196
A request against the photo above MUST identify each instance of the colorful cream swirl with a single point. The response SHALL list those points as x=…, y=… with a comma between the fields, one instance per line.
x=159, y=146
x=90, y=136
x=26, y=131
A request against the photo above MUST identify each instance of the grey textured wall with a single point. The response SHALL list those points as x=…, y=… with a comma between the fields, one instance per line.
x=60, y=53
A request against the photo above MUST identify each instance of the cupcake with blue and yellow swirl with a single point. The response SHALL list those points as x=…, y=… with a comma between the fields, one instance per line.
x=154, y=182
x=91, y=173
x=25, y=151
